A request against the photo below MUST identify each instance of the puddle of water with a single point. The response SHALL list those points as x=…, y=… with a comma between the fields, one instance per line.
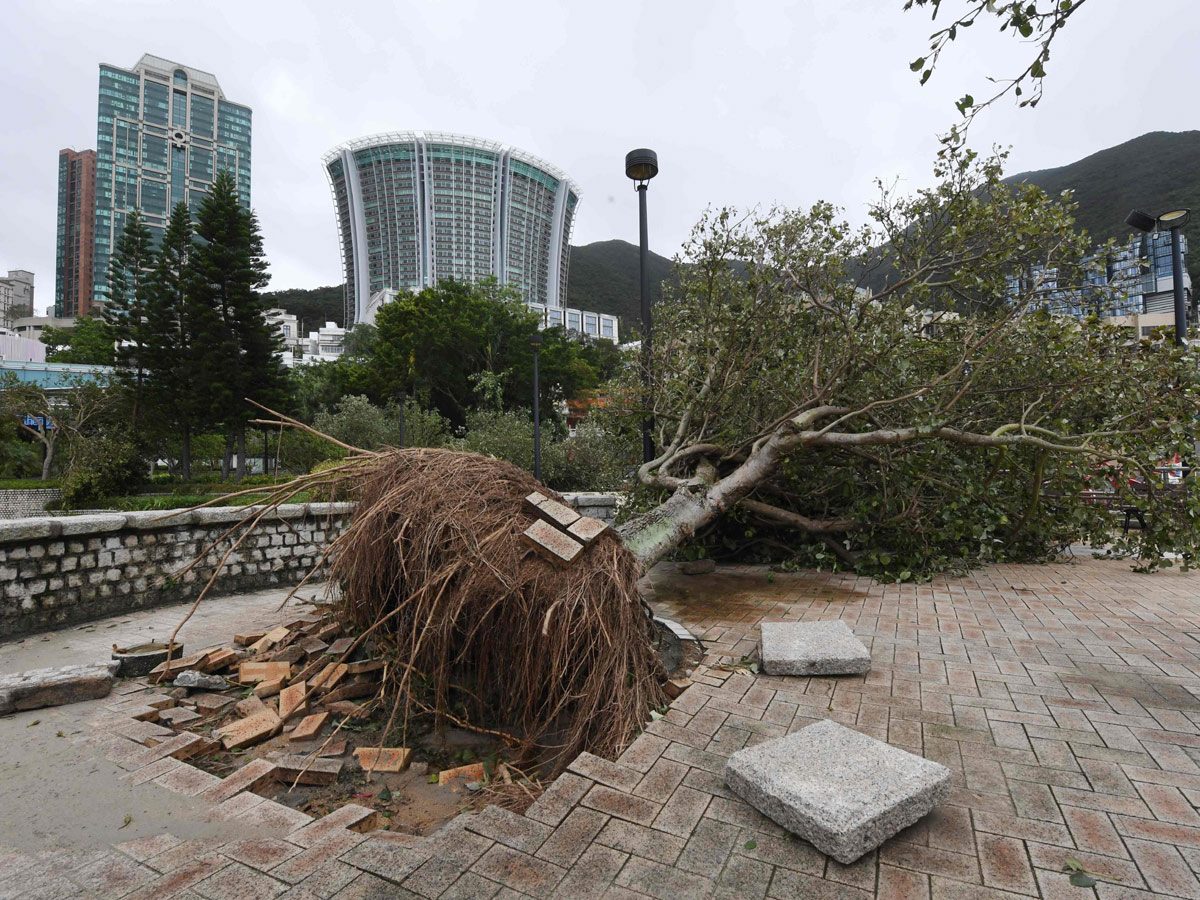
x=1158, y=693
x=736, y=594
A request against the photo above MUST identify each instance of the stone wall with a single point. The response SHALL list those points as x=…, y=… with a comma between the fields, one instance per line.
x=59, y=570
x=32, y=502
x=598, y=505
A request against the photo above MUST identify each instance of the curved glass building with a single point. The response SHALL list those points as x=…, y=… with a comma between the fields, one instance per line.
x=415, y=207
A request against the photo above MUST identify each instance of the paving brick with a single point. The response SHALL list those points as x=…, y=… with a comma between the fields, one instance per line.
x=901, y=884
x=571, y=838
x=508, y=828
x=601, y=770
x=708, y=847
x=238, y=882
x=321, y=854
x=385, y=860
x=559, y=799
x=787, y=884
x=1164, y=869
x=641, y=841
x=643, y=753
x=254, y=774
x=1005, y=864
x=661, y=780
x=259, y=853
x=621, y=805
x=187, y=780
x=663, y=882
x=519, y=871
x=594, y=872
x=682, y=811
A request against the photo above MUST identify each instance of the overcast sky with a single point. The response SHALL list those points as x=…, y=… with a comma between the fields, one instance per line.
x=759, y=102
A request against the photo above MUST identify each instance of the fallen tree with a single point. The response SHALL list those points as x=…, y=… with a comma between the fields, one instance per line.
x=773, y=373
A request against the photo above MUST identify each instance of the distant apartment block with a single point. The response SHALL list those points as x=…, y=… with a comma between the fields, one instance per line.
x=163, y=131
x=415, y=208
x=1133, y=281
x=323, y=345
x=75, y=243
x=16, y=296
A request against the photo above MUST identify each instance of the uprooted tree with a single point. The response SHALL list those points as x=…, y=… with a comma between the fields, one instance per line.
x=782, y=391
x=942, y=407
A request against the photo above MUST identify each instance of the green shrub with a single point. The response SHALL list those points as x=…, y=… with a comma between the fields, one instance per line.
x=26, y=484
x=102, y=466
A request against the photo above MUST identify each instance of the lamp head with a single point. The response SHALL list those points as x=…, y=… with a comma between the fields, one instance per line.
x=535, y=340
x=1176, y=218
x=1139, y=220
x=641, y=165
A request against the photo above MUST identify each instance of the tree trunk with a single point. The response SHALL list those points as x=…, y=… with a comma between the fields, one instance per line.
x=653, y=535
x=47, y=460
x=241, y=453
x=185, y=453
x=227, y=459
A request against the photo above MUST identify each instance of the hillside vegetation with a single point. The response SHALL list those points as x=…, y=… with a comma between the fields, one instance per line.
x=1155, y=173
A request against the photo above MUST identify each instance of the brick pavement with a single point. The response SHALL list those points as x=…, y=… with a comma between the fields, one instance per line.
x=1059, y=696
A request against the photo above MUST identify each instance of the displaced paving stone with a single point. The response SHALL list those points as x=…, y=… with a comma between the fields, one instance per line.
x=249, y=706
x=309, y=727
x=308, y=770
x=383, y=759
x=207, y=704
x=363, y=667
x=291, y=701
x=262, y=671
x=269, y=640
x=178, y=717
x=551, y=543
x=254, y=774
x=247, y=638
x=558, y=514
x=265, y=689
x=55, y=687
x=473, y=772
x=249, y=730
x=329, y=676
x=194, y=679
x=812, y=648
x=842, y=791
x=587, y=529
x=340, y=646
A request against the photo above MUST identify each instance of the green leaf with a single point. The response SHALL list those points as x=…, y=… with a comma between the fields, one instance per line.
x=916, y=64
x=1083, y=880
x=750, y=845
x=1037, y=70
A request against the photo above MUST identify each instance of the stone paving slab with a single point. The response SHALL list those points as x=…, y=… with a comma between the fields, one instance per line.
x=812, y=648
x=842, y=791
x=1061, y=698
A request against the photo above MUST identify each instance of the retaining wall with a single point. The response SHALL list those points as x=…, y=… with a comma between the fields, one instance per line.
x=17, y=504
x=57, y=570
x=63, y=569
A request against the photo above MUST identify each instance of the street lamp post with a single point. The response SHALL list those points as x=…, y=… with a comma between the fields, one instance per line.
x=642, y=165
x=1172, y=221
x=535, y=341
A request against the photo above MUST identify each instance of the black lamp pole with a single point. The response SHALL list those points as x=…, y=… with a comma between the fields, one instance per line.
x=642, y=165
x=535, y=341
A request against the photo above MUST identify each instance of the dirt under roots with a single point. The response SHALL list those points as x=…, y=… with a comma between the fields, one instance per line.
x=481, y=630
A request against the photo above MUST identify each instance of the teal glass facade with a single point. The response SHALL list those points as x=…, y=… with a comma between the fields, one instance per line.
x=163, y=132
x=414, y=208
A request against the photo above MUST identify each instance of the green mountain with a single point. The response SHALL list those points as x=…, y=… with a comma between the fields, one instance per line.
x=1156, y=172
x=603, y=277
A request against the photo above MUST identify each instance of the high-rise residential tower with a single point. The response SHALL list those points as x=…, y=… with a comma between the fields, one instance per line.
x=163, y=132
x=73, y=262
x=414, y=208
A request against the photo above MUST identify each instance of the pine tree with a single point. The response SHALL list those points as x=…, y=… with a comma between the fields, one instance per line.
x=238, y=348
x=177, y=388
x=125, y=311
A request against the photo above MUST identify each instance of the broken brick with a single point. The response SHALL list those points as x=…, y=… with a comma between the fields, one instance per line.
x=340, y=647
x=551, y=543
x=263, y=671
x=329, y=676
x=383, y=759
x=265, y=689
x=587, y=529
x=473, y=772
x=249, y=637
x=291, y=701
x=309, y=727
x=351, y=691
x=558, y=514
x=250, y=730
x=306, y=770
